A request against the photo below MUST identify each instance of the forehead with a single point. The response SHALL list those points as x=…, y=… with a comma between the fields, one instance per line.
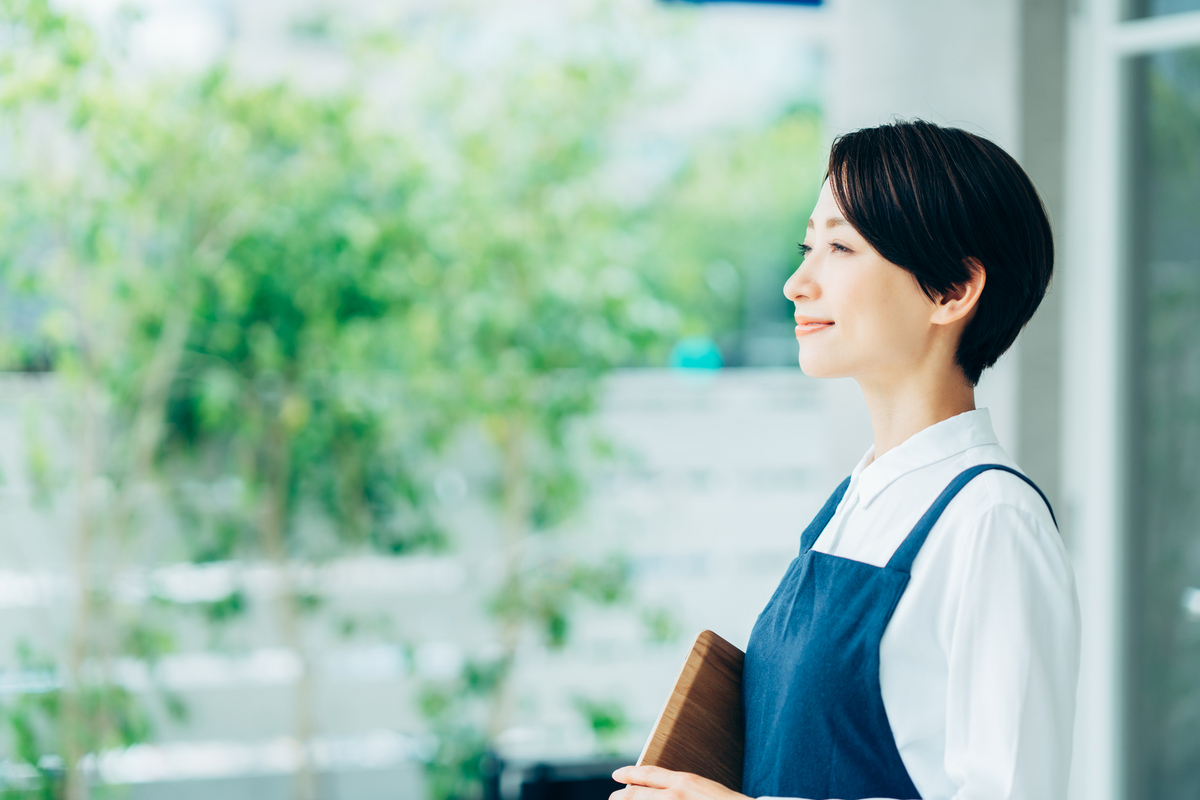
x=826, y=213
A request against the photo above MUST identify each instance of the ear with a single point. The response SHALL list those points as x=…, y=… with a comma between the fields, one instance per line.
x=960, y=300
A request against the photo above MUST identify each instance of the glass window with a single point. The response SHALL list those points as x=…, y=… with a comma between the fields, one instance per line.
x=1165, y=527
x=1158, y=8
x=1162, y=7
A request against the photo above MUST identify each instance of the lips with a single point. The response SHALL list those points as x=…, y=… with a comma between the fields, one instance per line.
x=808, y=324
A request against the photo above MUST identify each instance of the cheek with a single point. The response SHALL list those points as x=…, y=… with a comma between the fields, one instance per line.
x=896, y=321
x=886, y=317
x=882, y=321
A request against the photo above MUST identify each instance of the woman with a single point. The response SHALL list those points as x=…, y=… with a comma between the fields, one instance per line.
x=924, y=644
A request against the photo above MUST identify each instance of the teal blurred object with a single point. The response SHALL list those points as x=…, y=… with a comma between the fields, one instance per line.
x=696, y=352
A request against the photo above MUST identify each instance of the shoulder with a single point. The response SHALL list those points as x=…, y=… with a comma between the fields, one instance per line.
x=998, y=528
x=1000, y=493
x=995, y=566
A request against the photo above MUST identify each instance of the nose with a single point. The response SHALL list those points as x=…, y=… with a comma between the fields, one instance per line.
x=802, y=283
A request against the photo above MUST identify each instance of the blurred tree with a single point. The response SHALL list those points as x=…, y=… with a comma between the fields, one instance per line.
x=270, y=308
x=228, y=302
x=537, y=268
x=75, y=236
x=305, y=382
x=554, y=277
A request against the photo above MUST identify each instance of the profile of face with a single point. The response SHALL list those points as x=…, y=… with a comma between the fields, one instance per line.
x=859, y=315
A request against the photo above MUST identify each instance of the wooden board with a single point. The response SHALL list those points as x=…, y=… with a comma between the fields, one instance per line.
x=701, y=729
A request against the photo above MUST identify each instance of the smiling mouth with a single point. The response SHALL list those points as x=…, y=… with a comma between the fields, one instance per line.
x=809, y=327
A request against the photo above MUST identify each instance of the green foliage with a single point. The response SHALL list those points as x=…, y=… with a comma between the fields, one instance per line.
x=274, y=310
x=223, y=274
x=228, y=608
x=112, y=717
x=30, y=719
x=291, y=385
x=457, y=711
x=148, y=642
x=607, y=720
x=546, y=591
x=37, y=463
x=540, y=296
x=661, y=625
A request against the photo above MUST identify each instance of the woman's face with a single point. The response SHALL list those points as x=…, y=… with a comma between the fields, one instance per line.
x=857, y=314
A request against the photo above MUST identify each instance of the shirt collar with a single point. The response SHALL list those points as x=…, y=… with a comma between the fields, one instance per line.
x=939, y=441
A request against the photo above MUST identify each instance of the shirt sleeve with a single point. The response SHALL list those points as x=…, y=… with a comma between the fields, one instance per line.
x=1013, y=663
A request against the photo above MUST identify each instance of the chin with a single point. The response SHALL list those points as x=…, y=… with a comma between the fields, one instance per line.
x=819, y=368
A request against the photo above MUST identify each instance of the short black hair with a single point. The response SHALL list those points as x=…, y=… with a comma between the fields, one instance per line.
x=929, y=199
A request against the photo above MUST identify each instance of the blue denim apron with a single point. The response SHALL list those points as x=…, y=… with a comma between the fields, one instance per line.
x=815, y=722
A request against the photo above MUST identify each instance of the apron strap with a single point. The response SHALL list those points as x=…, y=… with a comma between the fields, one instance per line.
x=902, y=559
x=809, y=537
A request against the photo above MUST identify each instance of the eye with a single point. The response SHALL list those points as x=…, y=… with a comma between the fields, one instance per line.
x=841, y=248
x=804, y=249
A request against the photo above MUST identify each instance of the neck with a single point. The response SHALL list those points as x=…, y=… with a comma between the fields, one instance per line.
x=901, y=408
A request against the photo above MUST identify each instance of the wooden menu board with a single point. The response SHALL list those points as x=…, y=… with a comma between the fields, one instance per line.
x=701, y=728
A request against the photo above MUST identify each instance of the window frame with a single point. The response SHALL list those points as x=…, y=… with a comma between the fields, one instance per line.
x=1097, y=404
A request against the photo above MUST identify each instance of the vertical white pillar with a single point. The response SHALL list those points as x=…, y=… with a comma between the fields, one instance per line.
x=1094, y=407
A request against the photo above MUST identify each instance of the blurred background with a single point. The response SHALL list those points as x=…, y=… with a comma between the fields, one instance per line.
x=391, y=391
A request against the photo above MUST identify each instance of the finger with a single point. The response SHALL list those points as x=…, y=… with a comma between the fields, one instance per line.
x=621, y=794
x=619, y=773
x=635, y=792
x=654, y=777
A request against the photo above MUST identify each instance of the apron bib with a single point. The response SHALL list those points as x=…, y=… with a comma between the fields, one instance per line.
x=815, y=721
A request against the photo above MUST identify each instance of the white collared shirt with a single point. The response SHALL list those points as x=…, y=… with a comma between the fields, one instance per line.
x=979, y=662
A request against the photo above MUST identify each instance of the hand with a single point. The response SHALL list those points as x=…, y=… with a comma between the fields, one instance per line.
x=656, y=783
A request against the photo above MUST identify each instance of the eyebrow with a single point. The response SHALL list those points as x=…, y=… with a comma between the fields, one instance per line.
x=832, y=222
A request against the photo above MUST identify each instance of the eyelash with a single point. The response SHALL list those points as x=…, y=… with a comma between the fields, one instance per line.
x=805, y=249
